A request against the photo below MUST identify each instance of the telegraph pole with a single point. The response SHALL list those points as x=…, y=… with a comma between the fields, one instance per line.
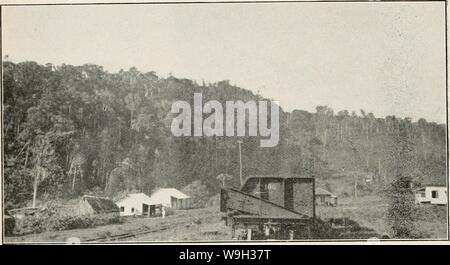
x=240, y=163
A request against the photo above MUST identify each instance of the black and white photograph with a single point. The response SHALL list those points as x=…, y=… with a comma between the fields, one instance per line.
x=224, y=122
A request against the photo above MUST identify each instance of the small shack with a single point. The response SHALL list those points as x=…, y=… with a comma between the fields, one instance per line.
x=170, y=197
x=431, y=194
x=90, y=205
x=136, y=204
x=324, y=197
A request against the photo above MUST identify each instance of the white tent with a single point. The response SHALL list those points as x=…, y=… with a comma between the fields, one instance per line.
x=170, y=197
x=136, y=204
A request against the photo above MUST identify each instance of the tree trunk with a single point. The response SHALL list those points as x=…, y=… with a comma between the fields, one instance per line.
x=379, y=167
x=368, y=130
x=26, y=157
x=35, y=186
x=424, y=147
x=228, y=160
x=325, y=143
x=73, y=180
x=131, y=118
x=106, y=183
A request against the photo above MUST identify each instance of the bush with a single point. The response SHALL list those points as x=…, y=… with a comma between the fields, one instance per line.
x=106, y=219
x=402, y=211
x=9, y=225
x=54, y=220
x=67, y=222
x=169, y=211
x=429, y=212
x=199, y=194
x=31, y=224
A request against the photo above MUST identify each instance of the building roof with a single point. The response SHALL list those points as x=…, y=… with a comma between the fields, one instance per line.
x=423, y=187
x=434, y=185
x=100, y=204
x=320, y=191
x=172, y=192
x=277, y=176
x=141, y=197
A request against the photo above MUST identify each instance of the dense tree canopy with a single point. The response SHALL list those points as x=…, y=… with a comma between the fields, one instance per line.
x=69, y=130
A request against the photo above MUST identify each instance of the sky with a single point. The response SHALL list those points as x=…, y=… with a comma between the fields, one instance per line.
x=385, y=58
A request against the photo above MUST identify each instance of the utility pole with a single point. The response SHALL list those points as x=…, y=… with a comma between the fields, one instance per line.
x=240, y=163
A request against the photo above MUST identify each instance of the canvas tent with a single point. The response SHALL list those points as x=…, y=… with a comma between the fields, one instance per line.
x=137, y=204
x=170, y=197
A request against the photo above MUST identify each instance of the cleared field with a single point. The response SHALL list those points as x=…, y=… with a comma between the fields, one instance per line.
x=197, y=224
x=370, y=211
x=206, y=224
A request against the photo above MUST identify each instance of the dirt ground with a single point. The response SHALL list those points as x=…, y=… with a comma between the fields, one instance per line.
x=207, y=224
x=185, y=225
x=370, y=211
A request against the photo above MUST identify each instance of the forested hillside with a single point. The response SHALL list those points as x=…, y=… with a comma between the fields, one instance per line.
x=70, y=130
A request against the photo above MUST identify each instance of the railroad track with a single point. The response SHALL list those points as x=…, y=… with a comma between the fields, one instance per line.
x=128, y=234
x=137, y=232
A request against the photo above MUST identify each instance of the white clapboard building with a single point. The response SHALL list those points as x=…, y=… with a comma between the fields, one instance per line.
x=432, y=194
x=135, y=204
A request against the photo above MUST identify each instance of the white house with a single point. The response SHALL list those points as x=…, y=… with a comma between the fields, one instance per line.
x=170, y=197
x=324, y=197
x=431, y=194
x=136, y=204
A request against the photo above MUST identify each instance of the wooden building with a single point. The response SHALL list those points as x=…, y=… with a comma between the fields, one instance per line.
x=324, y=197
x=136, y=204
x=431, y=194
x=97, y=205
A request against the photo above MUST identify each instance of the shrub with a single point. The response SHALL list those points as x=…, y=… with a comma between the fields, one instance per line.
x=9, y=225
x=106, y=219
x=169, y=211
x=401, y=212
x=431, y=213
x=199, y=193
x=33, y=221
x=54, y=220
x=67, y=222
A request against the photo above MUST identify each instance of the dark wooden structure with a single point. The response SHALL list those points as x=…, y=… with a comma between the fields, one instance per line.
x=293, y=192
x=97, y=205
x=271, y=207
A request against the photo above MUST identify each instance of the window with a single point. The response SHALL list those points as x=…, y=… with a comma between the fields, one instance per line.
x=434, y=194
x=132, y=210
x=122, y=209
